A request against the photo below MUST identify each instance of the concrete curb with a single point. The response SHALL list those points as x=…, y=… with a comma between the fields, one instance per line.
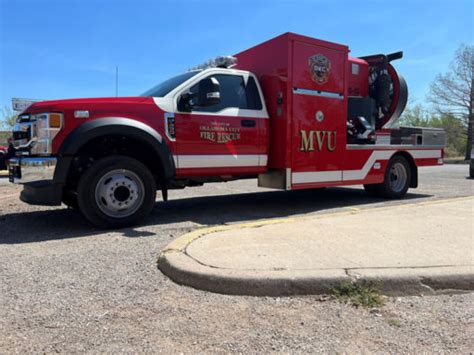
x=183, y=269
x=395, y=282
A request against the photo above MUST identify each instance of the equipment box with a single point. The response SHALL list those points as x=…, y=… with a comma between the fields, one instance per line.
x=435, y=137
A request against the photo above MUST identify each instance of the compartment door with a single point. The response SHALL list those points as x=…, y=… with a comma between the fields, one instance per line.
x=318, y=115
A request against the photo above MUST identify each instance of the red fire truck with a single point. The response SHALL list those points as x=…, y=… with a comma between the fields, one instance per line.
x=296, y=112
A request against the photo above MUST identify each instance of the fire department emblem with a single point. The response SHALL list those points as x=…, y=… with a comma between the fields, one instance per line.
x=320, y=67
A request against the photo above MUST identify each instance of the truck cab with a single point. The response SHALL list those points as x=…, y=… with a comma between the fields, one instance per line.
x=216, y=123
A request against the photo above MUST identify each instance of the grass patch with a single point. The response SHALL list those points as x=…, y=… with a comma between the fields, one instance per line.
x=394, y=322
x=365, y=294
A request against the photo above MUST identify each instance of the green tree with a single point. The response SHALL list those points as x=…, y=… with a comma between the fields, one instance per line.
x=456, y=136
x=419, y=116
x=415, y=116
x=452, y=93
x=8, y=119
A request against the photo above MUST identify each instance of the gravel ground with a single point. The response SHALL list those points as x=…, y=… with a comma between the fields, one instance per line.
x=66, y=287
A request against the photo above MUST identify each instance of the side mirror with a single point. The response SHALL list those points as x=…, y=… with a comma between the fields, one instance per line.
x=208, y=92
x=184, y=103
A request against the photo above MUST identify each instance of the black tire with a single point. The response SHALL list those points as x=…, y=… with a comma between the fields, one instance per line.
x=396, y=181
x=70, y=200
x=395, y=186
x=132, y=190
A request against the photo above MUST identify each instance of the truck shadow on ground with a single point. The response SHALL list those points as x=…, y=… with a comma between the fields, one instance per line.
x=63, y=223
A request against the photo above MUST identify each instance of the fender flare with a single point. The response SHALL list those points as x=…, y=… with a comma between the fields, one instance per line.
x=113, y=126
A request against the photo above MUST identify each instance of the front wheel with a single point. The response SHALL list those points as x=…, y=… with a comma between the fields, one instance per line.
x=396, y=181
x=116, y=191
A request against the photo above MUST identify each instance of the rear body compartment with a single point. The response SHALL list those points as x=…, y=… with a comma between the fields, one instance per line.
x=313, y=89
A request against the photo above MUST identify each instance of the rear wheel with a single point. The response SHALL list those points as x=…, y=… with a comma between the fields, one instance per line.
x=116, y=191
x=396, y=181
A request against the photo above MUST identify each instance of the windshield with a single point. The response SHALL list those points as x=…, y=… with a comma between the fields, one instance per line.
x=166, y=86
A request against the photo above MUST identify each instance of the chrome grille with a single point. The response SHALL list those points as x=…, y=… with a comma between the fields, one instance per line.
x=23, y=135
x=18, y=135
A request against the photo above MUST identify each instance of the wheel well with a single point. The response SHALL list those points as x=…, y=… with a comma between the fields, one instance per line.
x=107, y=145
x=413, y=167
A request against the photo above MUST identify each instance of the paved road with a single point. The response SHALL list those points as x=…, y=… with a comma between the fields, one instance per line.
x=220, y=203
x=215, y=204
x=67, y=287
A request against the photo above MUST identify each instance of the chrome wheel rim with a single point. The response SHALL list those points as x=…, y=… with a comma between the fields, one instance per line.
x=119, y=193
x=398, y=177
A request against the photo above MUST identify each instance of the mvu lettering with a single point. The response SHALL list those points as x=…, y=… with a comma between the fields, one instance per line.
x=309, y=138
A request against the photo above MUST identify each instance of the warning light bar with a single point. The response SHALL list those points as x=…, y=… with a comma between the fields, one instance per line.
x=217, y=62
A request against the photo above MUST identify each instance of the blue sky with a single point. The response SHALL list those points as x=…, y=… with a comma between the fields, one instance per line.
x=61, y=49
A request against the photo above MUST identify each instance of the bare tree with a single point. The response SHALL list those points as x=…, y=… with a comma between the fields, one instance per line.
x=453, y=92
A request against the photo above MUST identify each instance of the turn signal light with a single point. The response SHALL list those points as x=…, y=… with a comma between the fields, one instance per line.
x=55, y=120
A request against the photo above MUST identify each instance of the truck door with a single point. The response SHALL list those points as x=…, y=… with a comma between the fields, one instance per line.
x=225, y=138
x=318, y=114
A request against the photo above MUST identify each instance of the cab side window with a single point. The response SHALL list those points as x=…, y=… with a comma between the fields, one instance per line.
x=234, y=93
x=253, y=97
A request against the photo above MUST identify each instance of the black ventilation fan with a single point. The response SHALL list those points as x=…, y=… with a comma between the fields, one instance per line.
x=387, y=88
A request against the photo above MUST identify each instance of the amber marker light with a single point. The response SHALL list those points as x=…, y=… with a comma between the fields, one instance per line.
x=55, y=120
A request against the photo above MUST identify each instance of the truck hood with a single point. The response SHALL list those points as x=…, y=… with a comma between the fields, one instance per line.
x=60, y=105
x=100, y=103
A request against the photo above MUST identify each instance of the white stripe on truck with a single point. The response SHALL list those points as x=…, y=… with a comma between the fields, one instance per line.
x=220, y=161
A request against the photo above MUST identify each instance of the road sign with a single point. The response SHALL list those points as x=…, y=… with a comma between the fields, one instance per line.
x=21, y=105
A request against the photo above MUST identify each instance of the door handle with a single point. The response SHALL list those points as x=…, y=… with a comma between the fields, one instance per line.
x=248, y=123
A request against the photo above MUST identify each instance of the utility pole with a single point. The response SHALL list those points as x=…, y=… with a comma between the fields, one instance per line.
x=116, y=81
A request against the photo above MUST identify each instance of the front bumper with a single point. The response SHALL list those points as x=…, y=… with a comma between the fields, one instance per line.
x=24, y=170
x=37, y=177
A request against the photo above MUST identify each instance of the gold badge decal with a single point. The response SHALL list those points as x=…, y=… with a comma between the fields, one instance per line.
x=320, y=67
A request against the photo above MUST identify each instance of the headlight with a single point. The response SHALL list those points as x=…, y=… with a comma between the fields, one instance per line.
x=48, y=126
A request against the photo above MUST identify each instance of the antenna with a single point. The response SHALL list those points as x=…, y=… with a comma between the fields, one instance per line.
x=116, y=81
